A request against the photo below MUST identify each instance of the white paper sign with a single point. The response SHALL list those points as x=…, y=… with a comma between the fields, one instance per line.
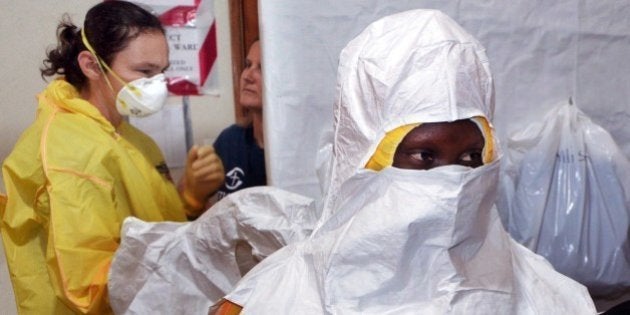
x=184, y=53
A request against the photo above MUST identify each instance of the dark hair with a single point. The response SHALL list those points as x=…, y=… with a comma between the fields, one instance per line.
x=109, y=27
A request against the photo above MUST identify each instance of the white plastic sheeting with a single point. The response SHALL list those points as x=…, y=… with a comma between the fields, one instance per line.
x=541, y=52
x=408, y=241
x=183, y=268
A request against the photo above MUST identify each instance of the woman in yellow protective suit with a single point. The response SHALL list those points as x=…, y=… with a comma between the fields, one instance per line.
x=409, y=224
x=80, y=169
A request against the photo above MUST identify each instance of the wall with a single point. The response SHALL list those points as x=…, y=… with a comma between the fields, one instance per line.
x=27, y=28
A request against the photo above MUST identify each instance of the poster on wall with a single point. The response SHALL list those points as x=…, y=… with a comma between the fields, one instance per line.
x=191, y=34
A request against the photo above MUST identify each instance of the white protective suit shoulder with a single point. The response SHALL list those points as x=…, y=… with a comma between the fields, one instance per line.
x=407, y=241
x=183, y=268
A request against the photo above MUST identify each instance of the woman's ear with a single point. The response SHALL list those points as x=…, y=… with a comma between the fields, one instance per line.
x=89, y=65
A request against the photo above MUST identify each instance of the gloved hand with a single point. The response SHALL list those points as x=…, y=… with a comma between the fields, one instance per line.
x=204, y=175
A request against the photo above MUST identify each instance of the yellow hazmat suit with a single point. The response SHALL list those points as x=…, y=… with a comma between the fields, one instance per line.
x=71, y=180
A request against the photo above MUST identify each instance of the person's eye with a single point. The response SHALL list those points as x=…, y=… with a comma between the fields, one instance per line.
x=425, y=156
x=472, y=158
x=146, y=72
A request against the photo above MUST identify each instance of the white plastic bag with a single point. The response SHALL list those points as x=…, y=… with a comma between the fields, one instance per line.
x=566, y=196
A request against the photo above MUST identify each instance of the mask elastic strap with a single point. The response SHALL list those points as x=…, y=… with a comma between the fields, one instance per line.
x=102, y=64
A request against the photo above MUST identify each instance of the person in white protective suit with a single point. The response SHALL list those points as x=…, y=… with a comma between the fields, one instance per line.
x=408, y=225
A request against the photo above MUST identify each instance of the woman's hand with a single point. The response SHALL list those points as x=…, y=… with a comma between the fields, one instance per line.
x=204, y=175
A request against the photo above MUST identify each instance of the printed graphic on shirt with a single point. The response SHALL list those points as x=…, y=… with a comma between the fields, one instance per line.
x=234, y=178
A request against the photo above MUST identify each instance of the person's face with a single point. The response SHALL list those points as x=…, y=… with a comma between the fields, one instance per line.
x=436, y=144
x=251, y=80
x=145, y=56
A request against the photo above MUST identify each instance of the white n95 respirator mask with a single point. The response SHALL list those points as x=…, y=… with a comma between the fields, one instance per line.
x=138, y=98
x=142, y=97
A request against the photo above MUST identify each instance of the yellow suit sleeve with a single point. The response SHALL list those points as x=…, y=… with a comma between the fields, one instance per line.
x=82, y=238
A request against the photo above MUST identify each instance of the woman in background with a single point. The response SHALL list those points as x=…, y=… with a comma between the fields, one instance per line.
x=80, y=169
x=241, y=149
